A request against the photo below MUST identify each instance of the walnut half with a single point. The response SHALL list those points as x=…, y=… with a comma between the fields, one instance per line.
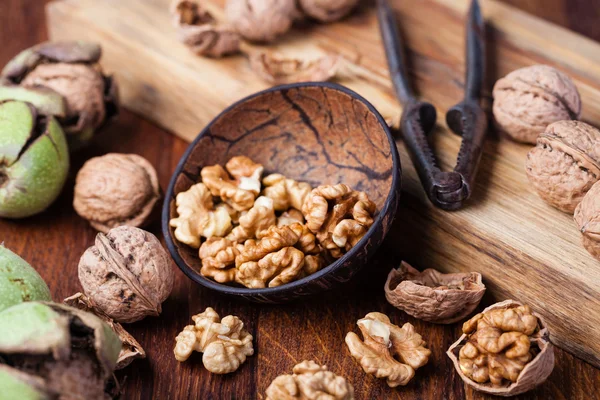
x=504, y=351
x=433, y=296
x=387, y=350
x=310, y=381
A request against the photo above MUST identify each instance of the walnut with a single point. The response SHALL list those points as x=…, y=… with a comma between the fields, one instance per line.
x=565, y=163
x=225, y=343
x=201, y=32
x=256, y=222
x=277, y=69
x=261, y=20
x=285, y=192
x=433, y=296
x=272, y=270
x=127, y=274
x=196, y=217
x=117, y=189
x=130, y=348
x=587, y=217
x=239, y=194
x=246, y=172
x=327, y=10
x=290, y=217
x=527, y=100
x=218, y=259
x=505, y=350
x=382, y=342
x=310, y=381
x=338, y=216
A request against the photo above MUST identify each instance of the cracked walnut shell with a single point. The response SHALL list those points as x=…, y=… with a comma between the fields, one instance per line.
x=127, y=274
x=587, y=218
x=339, y=216
x=504, y=351
x=225, y=343
x=529, y=99
x=261, y=20
x=117, y=189
x=388, y=351
x=278, y=69
x=197, y=217
x=565, y=163
x=327, y=10
x=310, y=381
x=433, y=296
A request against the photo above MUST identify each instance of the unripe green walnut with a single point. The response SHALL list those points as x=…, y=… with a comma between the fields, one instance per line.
x=19, y=282
x=34, y=160
x=52, y=351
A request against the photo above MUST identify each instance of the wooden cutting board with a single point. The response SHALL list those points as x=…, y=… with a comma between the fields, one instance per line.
x=525, y=249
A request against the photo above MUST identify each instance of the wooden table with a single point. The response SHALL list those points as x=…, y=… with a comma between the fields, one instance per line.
x=284, y=335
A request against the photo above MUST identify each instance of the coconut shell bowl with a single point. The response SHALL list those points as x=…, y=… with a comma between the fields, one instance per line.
x=320, y=133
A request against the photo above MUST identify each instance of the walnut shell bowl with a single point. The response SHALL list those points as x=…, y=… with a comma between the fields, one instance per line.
x=321, y=133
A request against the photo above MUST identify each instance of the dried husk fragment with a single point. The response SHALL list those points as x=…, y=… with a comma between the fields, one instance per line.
x=533, y=374
x=433, y=296
x=278, y=69
x=130, y=349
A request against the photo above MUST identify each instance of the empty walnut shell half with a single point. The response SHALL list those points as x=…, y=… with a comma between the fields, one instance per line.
x=535, y=371
x=433, y=296
x=565, y=163
x=587, y=217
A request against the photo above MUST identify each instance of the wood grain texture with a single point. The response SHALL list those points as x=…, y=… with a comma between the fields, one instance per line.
x=54, y=241
x=524, y=248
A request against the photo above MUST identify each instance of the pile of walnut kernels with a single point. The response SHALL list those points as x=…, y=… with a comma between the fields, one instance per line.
x=269, y=234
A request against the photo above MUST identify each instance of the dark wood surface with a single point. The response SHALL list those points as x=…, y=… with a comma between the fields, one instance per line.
x=312, y=329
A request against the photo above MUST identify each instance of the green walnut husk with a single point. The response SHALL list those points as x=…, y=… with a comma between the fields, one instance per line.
x=34, y=160
x=71, y=71
x=19, y=282
x=56, y=351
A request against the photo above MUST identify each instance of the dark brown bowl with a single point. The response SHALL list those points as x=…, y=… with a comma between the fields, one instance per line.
x=321, y=133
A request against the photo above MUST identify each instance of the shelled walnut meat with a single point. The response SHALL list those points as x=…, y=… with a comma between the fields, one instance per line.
x=587, y=218
x=504, y=351
x=565, y=163
x=117, y=189
x=310, y=381
x=388, y=351
x=433, y=296
x=225, y=343
x=338, y=216
x=127, y=274
x=529, y=99
x=130, y=348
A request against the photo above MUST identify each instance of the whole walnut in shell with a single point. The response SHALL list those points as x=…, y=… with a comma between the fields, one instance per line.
x=127, y=274
x=261, y=20
x=310, y=381
x=527, y=100
x=433, y=296
x=565, y=163
x=587, y=217
x=327, y=10
x=117, y=189
x=504, y=351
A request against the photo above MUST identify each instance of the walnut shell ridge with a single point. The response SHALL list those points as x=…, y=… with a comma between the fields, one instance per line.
x=587, y=218
x=534, y=373
x=127, y=274
x=565, y=163
x=433, y=296
x=529, y=99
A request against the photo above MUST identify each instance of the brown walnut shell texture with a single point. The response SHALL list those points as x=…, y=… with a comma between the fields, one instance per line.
x=528, y=99
x=127, y=274
x=130, y=349
x=587, y=218
x=117, y=189
x=565, y=163
x=433, y=296
x=534, y=373
x=327, y=10
x=261, y=20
